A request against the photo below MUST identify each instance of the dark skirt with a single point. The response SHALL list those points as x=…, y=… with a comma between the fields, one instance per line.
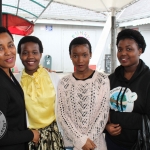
x=50, y=139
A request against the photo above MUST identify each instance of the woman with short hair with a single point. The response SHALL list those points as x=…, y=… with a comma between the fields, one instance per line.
x=83, y=101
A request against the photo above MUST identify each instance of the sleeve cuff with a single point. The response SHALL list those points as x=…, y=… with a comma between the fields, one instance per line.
x=80, y=142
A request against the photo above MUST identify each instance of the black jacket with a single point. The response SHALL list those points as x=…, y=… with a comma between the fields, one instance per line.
x=12, y=105
x=133, y=101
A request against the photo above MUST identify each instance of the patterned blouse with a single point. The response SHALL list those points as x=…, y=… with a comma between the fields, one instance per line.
x=83, y=108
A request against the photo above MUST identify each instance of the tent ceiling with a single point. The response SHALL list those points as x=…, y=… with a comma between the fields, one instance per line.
x=98, y=5
x=138, y=10
x=68, y=10
x=24, y=8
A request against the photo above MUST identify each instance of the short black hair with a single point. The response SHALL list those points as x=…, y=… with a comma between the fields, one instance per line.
x=33, y=39
x=79, y=41
x=3, y=30
x=132, y=34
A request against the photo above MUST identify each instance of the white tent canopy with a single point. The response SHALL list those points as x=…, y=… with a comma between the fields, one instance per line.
x=74, y=10
x=43, y=9
x=98, y=5
x=103, y=6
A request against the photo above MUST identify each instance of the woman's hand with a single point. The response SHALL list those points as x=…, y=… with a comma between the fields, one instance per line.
x=113, y=129
x=89, y=145
x=36, y=136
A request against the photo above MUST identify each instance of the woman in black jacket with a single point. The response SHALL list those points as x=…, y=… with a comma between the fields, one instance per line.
x=130, y=92
x=14, y=134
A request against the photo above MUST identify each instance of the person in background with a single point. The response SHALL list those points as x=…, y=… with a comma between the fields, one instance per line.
x=40, y=88
x=14, y=134
x=83, y=101
x=129, y=92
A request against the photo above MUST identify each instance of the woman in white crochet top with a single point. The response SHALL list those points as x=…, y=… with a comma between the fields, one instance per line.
x=83, y=101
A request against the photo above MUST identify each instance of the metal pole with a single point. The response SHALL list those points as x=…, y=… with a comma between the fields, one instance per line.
x=17, y=7
x=0, y=12
x=113, y=41
x=43, y=10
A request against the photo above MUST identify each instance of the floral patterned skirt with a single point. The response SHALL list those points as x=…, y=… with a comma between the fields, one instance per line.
x=50, y=139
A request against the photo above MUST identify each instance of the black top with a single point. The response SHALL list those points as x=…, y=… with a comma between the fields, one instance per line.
x=129, y=99
x=12, y=105
x=85, y=78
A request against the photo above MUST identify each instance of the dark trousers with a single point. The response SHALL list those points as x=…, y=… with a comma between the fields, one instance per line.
x=112, y=146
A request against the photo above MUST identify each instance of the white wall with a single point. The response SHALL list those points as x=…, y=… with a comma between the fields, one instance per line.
x=107, y=50
x=145, y=31
x=92, y=34
x=18, y=62
x=56, y=43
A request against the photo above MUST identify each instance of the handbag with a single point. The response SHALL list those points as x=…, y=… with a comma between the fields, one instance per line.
x=143, y=140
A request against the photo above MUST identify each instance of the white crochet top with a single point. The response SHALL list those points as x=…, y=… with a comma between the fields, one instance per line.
x=82, y=110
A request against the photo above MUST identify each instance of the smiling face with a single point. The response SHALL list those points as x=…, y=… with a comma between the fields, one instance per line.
x=7, y=52
x=80, y=56
x=30, y=56
x=128, y=52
